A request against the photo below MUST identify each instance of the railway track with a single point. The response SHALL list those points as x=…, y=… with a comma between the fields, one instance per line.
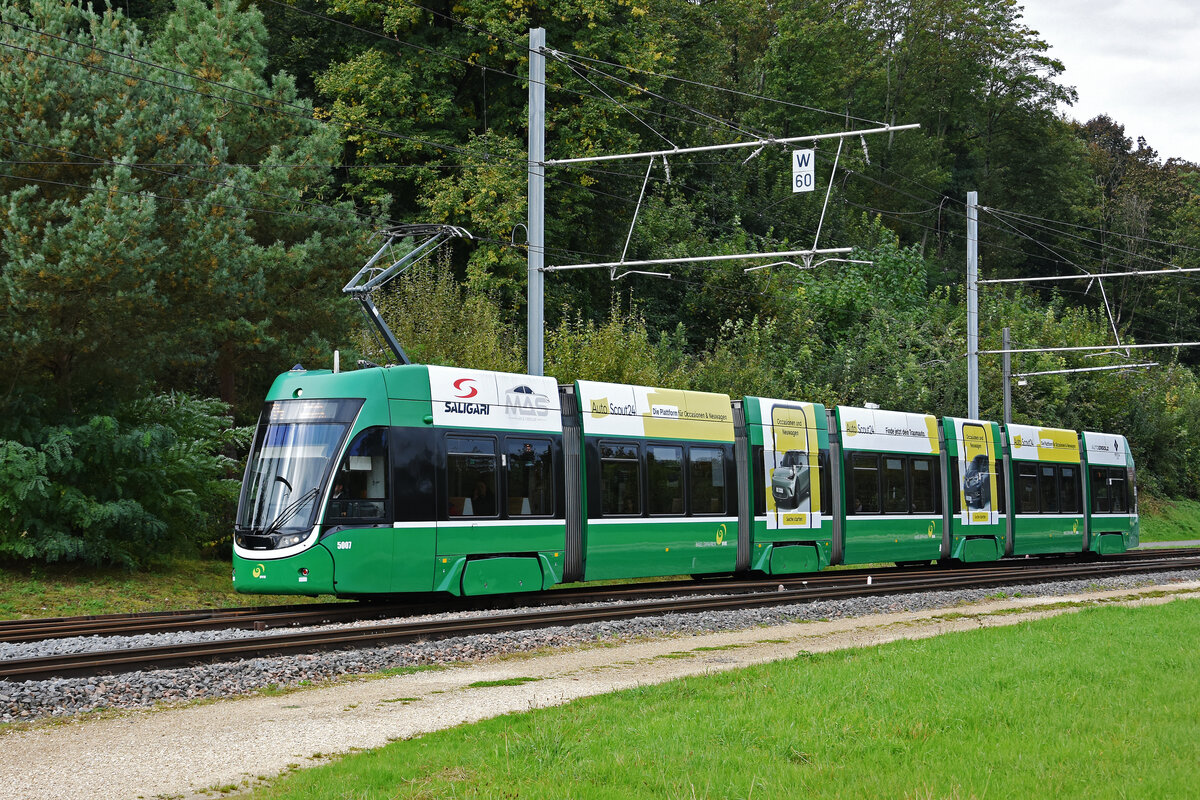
x=282, y=616
x=639, y=601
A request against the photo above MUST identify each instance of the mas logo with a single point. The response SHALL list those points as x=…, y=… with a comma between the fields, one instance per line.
x=721, y=531
x=259, y=571
x=523, y=401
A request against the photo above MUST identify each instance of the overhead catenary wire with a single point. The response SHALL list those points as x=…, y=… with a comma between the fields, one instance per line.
x=621, y=106
x=700, y=259
x=1129, y=236
x=252, y=209
x=1120, y=367
x=643, y=90
x=1099, y=276
x=729, y=146
x=514, y=165
x=751, y=95
x=1101, y=245
x=1088, y=348
x=1008, y=229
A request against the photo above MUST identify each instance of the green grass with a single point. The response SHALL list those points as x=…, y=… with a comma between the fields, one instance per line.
x=1168, y=520
x=504, y=682
x=1098, y=704
x=67, y=591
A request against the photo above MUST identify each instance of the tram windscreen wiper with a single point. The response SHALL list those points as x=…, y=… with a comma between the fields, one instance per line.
x=289, y=511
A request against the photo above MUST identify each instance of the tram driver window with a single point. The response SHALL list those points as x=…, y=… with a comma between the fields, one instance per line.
x=471, y=476
x=360, y=484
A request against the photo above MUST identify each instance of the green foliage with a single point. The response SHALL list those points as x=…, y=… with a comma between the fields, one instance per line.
x=764, y=358
x=119, y=277
x=438, y=320
x=121, y=489
x=618, y=350
x=120, y=281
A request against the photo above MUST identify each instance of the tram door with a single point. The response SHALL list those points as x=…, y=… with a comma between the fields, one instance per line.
x=358, y=520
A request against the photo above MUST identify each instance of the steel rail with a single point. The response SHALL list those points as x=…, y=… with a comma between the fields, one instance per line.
x=98, y=663
x=273, y=617
x=259, y=617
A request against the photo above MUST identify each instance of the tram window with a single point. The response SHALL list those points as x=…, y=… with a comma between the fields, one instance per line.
x=1048, y=489
x=1117, y=490
x=471, y=476
x=530, y=478
x=761, y=489
x=864, y=470
x=924, y=486
x=1068, y=490
x=895, y=496
x=620, y=479
x=360, y=485
x=664, y=468
x=706, y=479
x=1027, y=488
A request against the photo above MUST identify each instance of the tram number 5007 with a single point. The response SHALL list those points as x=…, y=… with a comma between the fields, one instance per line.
x=345, y=545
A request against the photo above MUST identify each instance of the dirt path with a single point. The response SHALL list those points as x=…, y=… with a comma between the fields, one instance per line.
x=181, y=752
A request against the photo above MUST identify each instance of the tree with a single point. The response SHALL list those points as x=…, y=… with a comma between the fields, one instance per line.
x=230, y=232
x=166, y=224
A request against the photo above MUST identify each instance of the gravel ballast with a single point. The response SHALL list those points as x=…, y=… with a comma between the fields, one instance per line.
x=65, y=697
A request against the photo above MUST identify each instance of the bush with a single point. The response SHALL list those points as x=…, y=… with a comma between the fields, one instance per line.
x=124, y=488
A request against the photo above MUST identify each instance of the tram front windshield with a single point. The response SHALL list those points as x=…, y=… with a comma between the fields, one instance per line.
x=295, y=446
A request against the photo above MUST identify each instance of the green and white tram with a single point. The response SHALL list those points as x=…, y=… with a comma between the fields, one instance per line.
x=417, y=479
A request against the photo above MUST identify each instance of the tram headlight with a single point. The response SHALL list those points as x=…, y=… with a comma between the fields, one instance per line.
x=288, y=541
